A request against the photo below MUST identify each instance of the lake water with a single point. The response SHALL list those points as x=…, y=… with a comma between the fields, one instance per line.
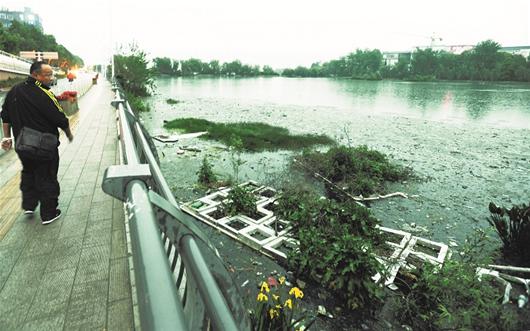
x=504, y=104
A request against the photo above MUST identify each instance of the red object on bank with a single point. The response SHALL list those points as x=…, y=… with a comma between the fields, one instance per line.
x=66, y=95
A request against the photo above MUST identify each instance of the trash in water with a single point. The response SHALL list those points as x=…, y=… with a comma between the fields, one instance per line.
x=522, y=301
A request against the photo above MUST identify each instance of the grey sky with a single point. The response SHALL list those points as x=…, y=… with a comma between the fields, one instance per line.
x=279, y=33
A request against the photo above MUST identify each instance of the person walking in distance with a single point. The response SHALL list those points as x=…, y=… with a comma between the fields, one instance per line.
x=31, y=104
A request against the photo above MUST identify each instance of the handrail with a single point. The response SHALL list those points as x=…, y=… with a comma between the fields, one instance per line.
x=16, y=57
x=181, y=281
x=14, y=64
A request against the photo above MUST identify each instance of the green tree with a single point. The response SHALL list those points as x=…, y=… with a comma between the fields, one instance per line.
x=214, y=67
x=191, y=67
x=484, y=58
x=231, y=68
x=131, y=70
x=163, y=65
x=25, y=37
x=513, y=68
x=424, y=63
x=268, y=71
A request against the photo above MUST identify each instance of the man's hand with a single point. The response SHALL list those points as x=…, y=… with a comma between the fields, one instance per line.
x=69, y=134
x=7, y=143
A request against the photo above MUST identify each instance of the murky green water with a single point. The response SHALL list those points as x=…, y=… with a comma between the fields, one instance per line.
x=505, y=104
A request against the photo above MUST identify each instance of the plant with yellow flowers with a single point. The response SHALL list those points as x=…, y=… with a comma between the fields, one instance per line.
x=277, y=308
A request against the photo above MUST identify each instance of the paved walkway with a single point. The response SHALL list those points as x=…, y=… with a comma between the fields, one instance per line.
x=72, y=274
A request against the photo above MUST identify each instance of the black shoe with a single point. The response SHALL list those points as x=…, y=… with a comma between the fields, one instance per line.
x=29, y=212
x=56, y=217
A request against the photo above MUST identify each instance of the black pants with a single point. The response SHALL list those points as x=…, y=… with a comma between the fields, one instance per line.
x=39, y=184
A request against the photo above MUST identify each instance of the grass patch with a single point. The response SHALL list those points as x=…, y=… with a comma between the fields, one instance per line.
x=254, y=136
x=172, y=101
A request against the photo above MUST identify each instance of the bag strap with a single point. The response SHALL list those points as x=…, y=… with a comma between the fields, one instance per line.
x=50, y=95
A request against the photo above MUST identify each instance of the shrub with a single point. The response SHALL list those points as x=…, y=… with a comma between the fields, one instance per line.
x=513, y=227
x=336, y=245
x=206, y=175
x=452, y=298
x=136, y=103
x=240, y=201
x=358, y=170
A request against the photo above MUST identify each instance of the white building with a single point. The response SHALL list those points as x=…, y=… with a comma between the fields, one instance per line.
x=27, y=16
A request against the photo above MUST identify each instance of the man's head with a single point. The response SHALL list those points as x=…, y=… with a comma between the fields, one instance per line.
x=42, y=72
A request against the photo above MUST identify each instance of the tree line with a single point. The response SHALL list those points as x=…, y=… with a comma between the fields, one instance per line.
x=25, y=37
x=484, y=62
x=192, y=67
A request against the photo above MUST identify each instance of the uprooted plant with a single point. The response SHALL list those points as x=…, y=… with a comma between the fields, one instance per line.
x=336, y=245
x=513, y=227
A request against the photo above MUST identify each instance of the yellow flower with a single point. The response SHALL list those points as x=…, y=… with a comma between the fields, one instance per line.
x=273, y=313
x=265, y=287
x=262, y=297
x=275, y=297
x=282, y=280
x=296, y=292
x=288, y=303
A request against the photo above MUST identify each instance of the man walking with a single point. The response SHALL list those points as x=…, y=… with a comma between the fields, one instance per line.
x=31, y=104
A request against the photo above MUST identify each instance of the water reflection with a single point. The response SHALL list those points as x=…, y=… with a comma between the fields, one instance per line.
x=421, y=96
x=477, y=103
x=364, y=89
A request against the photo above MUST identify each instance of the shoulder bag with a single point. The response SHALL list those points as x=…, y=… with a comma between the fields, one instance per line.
x=33, y=144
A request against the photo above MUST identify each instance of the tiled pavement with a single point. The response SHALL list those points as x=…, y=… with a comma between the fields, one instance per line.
x=72, y=274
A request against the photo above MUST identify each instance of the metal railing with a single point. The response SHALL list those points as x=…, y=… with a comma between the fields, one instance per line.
x=181, y=282
x=14, y=64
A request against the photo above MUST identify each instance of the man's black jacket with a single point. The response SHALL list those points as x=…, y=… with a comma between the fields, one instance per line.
x=26, y=104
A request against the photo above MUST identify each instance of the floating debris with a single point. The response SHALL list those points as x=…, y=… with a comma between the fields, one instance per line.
x=522, y=301
x=322, y=311
x=174, y=138
x=191, y=148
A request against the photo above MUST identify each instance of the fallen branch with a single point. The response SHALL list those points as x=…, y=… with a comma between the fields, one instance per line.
x=378, y=197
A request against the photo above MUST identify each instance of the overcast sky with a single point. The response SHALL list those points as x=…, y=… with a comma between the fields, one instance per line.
x=283, y=33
